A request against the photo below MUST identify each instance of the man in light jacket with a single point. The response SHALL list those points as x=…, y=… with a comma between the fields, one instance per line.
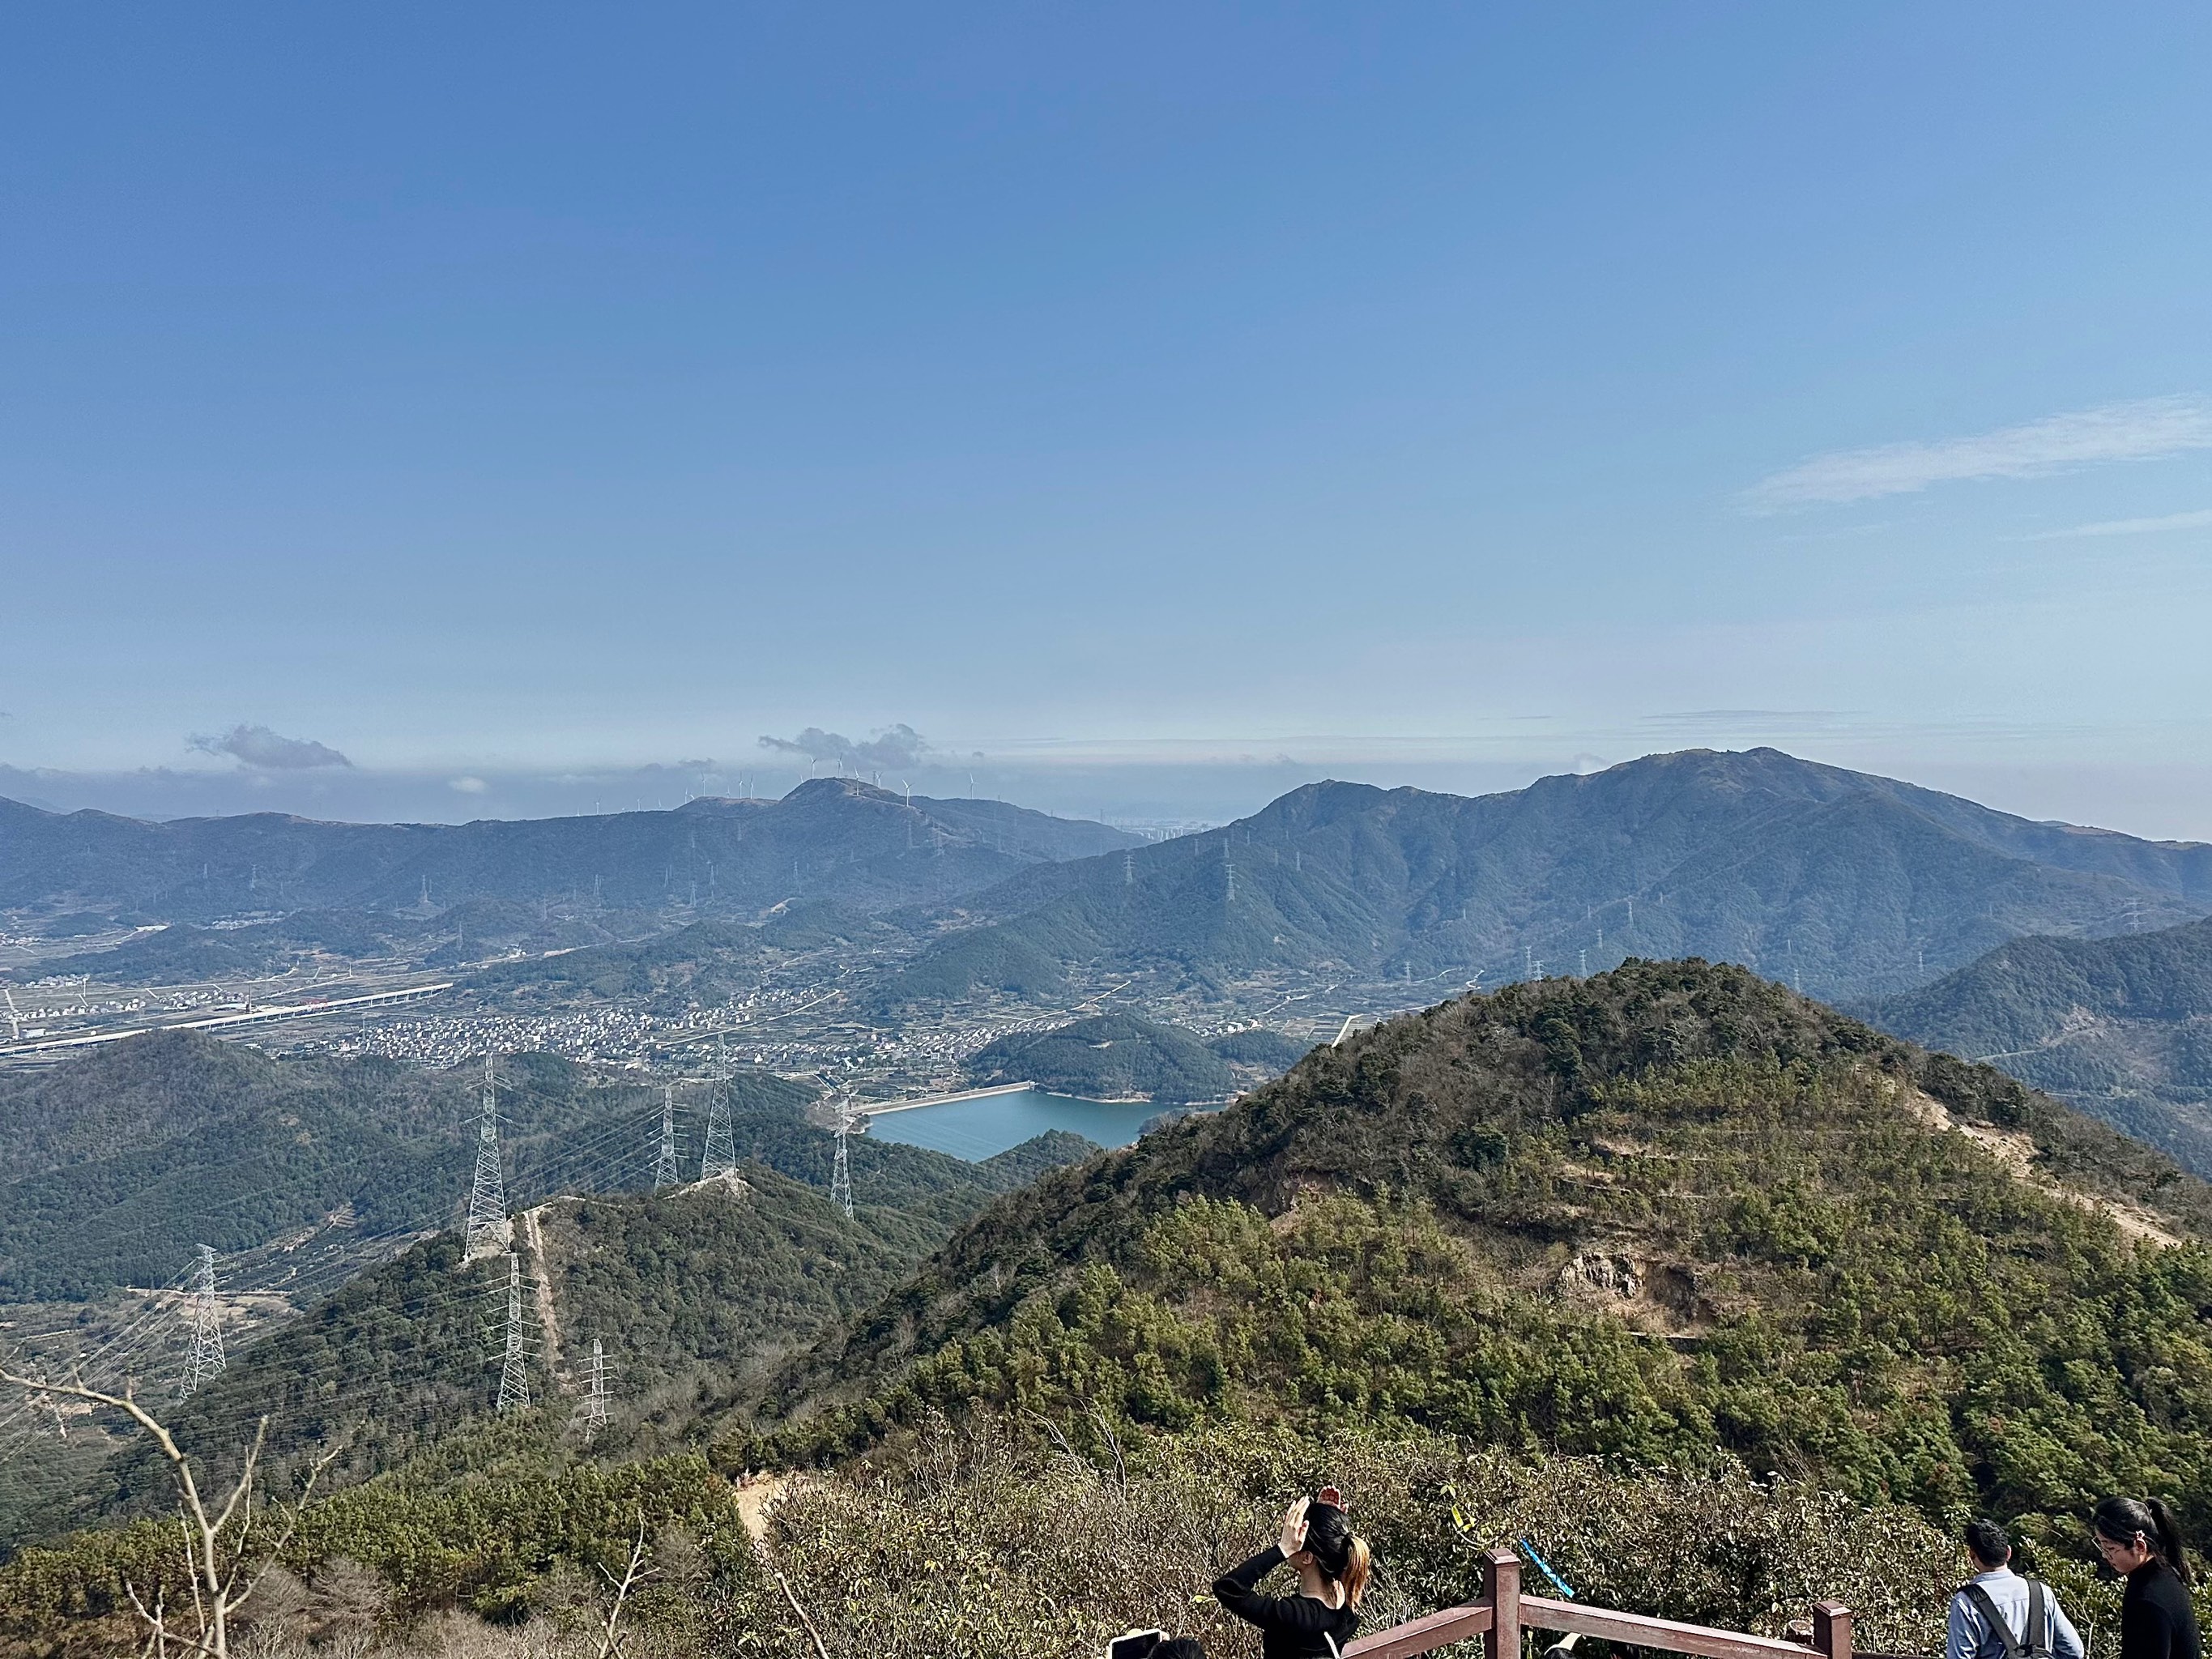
x=1997, y=1615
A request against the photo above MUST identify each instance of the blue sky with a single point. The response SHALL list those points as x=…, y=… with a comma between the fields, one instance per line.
x=498, y=395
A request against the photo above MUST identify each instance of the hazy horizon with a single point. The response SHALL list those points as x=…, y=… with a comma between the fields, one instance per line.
x=1158, y=795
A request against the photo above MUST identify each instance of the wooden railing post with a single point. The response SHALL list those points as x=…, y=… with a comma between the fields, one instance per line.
x=1831, y=1629
x=1501, y=1588
x=1502, y=1610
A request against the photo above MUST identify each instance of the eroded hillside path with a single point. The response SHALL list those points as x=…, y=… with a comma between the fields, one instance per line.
x=542, y=1288
x=2016, y=1152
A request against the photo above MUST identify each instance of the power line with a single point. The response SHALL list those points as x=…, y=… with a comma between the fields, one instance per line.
x=342, y=1259
x=120, y=1345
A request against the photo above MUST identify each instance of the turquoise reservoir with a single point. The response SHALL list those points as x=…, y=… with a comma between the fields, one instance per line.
x=977, y=1129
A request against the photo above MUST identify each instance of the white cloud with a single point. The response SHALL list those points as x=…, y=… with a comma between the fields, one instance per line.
x=895, y=746
x=259, y=747
x=2117, y=432
x=2201, y=520
x=468, y=785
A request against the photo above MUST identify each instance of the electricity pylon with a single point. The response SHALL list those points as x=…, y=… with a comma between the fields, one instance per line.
x=841, y=1173
x=488, y=1224
x=720, y=1157
x=664, y=1171
x=595, y=1401
x=205, y=1360
x=513, y=1374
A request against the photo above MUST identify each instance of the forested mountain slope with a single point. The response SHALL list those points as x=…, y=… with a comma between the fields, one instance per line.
x=119, y=1162
x=688, y=1289
x=1670, y=1212
x=1845, y=883
x=2120, y=1027
x=122, y=1161
x=833, y=837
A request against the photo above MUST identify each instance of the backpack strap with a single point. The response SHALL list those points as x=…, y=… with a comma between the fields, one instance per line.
x=1986, y=1605
x=2039, y=1625
x=1334, y=1652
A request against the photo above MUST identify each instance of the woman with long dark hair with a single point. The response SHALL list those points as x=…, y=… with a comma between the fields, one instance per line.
x=2139, y=1541
x=1332, y=1563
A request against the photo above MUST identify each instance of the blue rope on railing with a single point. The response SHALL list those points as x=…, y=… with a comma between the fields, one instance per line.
x=1567, y=1591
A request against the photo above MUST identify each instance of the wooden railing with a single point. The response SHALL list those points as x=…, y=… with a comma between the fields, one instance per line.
x=1501, y=1613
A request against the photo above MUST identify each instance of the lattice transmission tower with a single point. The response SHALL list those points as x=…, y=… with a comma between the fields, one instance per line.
x=840, y=1173
x=720, y=1157
x=595, y=1398
x=488, y=1224
x=205, y=1360
x=664, y=1169
x=514, y=1372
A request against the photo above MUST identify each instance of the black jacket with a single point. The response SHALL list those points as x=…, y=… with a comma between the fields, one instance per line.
x=2156, y=1621
x=1297, y=1626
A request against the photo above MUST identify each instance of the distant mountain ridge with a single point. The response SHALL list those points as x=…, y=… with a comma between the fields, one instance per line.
x=831, y=837
x=1844, y=883
x=2120, y=1027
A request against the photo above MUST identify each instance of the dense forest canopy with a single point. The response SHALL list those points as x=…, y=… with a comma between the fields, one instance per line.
x=1113, y=1056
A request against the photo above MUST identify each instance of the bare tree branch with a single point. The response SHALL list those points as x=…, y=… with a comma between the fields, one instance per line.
x=784, y=1584
x=1114, y=1445
x=192, y=1573
x=298, y=1512
x=1058, y=1438
x=156, y=1632
x=245, y=1477
x=214, y=1579
x=613, y=1643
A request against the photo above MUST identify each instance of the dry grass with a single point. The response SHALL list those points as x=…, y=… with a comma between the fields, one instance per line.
x=976, y=1544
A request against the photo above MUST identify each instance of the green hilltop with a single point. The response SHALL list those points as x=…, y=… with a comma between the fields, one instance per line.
x=1110, y=1057
x=1673, y=1212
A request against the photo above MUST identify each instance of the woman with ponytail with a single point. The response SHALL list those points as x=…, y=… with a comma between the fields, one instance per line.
x=1332, y=1564
x=2140, y=1540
